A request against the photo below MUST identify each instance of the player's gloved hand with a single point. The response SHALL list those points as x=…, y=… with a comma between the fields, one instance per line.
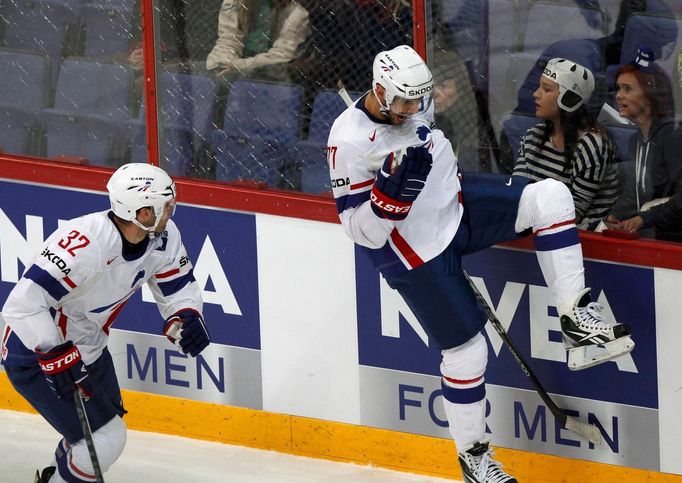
x=64, y=370
x=394, y=192
x=186, y=329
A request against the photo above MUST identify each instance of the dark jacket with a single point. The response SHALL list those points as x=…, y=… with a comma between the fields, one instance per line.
x=659, y=162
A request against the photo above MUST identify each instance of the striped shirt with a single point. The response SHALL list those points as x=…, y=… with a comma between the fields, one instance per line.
x=592, y=175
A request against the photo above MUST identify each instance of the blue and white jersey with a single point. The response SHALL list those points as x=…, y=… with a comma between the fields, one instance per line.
x=358, y=145
x=80, y=280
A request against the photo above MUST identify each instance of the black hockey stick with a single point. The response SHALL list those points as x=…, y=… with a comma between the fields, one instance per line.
x=87, y=434
x=584, y=430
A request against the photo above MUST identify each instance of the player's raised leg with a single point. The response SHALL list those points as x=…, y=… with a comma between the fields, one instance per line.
x=589, y=335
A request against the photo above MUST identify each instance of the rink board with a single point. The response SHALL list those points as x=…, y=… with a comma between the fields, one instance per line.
x=303, y=326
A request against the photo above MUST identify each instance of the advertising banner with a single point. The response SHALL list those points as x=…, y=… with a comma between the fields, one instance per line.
x=302, y=324
x=222, y=247
x=400, y=384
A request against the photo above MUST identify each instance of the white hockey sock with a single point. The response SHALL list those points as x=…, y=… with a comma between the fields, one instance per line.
x=463, y=388
x=562, y=267
x=547, y=208
x=466, y=421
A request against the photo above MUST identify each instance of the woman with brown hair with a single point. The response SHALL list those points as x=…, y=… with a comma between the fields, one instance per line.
x=651, y=183
x=568, y=145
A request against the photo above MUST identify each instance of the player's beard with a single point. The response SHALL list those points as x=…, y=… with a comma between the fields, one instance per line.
x=396, y=119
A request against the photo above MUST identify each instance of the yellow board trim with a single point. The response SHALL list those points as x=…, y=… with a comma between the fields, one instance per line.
x=339, y=441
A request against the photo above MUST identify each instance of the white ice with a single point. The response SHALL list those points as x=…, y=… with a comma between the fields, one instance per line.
x=28, y=441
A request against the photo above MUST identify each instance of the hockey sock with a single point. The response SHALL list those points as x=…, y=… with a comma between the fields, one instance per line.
x=561, y=260
x=463, y=388
x=464, y=404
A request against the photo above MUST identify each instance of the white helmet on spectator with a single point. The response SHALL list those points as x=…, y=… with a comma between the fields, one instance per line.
x=403, y=74
x=576, y=83
x=139, y=185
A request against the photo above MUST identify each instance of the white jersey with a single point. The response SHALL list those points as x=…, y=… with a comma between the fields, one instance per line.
x=80, y=280
x=358, y=145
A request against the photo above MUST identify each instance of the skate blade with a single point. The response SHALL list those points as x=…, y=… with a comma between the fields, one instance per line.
x=582, y=357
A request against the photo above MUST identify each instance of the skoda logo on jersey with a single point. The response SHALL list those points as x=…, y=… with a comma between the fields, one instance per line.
x=423, y=132
x=57, y=260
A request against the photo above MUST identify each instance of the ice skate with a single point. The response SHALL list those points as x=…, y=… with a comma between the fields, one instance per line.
x=45, y=476
x=589, y=337
x=478, y=465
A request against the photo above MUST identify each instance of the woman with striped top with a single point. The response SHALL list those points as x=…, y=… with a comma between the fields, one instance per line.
x=568, y=145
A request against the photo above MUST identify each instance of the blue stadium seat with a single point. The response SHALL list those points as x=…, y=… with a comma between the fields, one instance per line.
x=514, y=126
x=450, y=10
x=187, y=102
x=40, y=26
x=129, y=4
x=108, y=29
x=262, y=122
x=503, y=42
x=310, y=153
x=573, y=38
x=661, y=34
x=575, y=23
x=91, y=107
x=24, y=86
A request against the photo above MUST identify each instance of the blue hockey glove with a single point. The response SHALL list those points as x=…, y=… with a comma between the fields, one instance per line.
x=186, y=328
x=64, y=370
x=394, y=192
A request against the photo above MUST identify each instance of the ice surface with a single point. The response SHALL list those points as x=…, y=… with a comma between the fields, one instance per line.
x=28, y=442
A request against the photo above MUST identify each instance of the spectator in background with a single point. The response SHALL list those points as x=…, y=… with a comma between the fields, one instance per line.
x=254, y=35
x=600, y=52
x=652, y=194
x=188, y=30
x=568, y=145
x=456, y=111
x=344, y=34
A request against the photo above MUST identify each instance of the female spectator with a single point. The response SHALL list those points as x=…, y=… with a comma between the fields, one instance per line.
x=568, y=145
x=651, y=184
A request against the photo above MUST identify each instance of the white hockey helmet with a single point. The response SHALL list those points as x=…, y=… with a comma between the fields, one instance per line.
x=576, y=83
x=403, y=74
x=138, y=185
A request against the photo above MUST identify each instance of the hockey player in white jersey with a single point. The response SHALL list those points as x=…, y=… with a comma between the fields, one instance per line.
x=59, y=314
x=400, y=197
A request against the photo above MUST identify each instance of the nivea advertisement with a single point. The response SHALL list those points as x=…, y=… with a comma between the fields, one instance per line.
x=349, y=349
x=399, y=368
x=222, y=247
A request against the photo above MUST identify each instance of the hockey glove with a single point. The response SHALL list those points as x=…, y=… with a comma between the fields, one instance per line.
x=64, y=370
x=186, y=329
x=393, y=193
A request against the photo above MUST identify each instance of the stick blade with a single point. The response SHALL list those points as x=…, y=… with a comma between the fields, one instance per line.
x=587, y=431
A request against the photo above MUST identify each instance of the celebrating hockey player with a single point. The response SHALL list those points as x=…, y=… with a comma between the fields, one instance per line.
x=404, y=202
x=59, y=314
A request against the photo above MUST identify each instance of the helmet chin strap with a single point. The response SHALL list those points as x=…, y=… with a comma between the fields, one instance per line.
x=383, y=109
x=150, y=229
